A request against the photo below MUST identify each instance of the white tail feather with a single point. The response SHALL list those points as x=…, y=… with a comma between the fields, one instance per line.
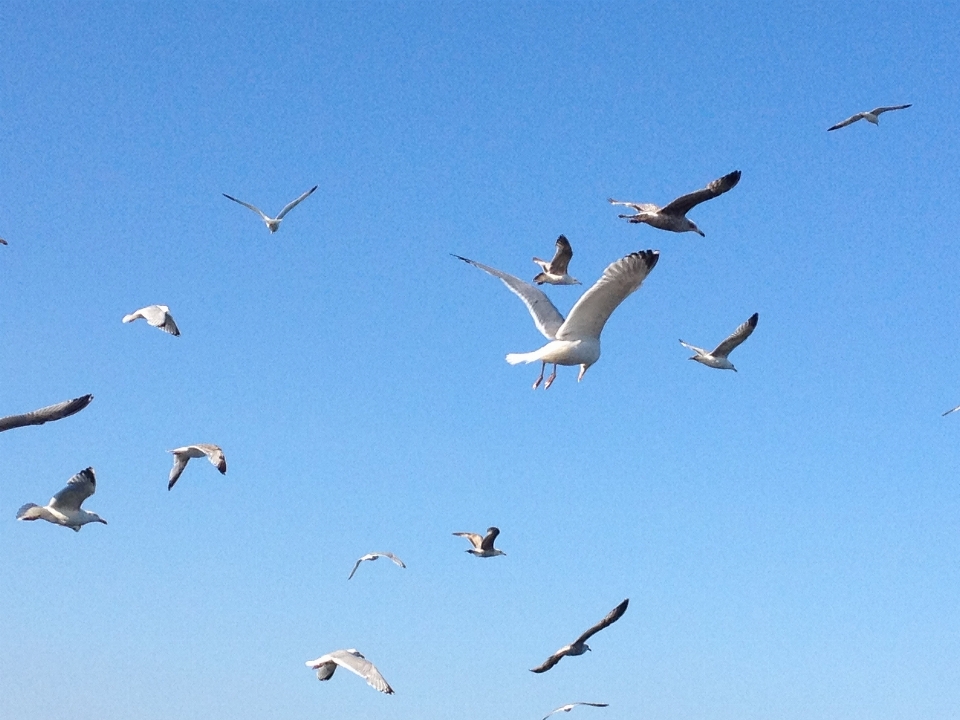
x=517, y=358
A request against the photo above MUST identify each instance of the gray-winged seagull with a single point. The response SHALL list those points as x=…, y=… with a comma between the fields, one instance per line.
x=571, y=706
x=273, y=224
x=46, y=414
x=555, y=271
x=579, y=646
x=717, y=358
x=326, y=665
x=374, y=556
x=156, y=315
x=182, y=455
x=64, y=507
x=482, y=546
x=576, y=340
x=870, y=116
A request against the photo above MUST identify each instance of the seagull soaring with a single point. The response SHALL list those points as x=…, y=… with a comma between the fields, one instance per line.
x=576, y=340
x=555, y=271
x=673, y=216
x=870, y=116
x=273, y=224
x=157, y=315
x=46, y=414
x=374, y=556
x=64, y=507
x=482, y=546
x=717, y=358
x=579, y=646
x=326, y=665
x=571, y=706
x=182, y=455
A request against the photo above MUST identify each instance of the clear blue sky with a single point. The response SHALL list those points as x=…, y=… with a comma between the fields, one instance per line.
x=788, y=535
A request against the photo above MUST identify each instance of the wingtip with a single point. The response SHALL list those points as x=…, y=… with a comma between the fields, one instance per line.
x=753, y=319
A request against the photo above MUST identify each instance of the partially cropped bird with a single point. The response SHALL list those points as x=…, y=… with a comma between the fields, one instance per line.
x=555, y=271
x=482, y=546
x=273, y=224
x=46, y=414
x=64, y=507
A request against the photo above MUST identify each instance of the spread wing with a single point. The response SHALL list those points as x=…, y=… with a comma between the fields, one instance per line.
x=546, y=317
x=683, y=204
x=951, y=411
x=356, y=565
x=877, y=111
x=214, y=455
x=394, y=558
x=595, y=306
x=738, y=336
x=159, y=316
x=698, y=351
x=550, y=661
x=290, y=206
x=46, y=414
x=357, y=663
x=474, y=539
x=561, y=259
x=610, y=619
x=79, y=488
x=180, y=461
x=487, y=542
x=848, y=121
x=248, y=205
x=639, y=207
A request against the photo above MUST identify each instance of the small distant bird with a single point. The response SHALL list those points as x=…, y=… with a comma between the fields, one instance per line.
x=579, y=646
x=571, y=706
x=157, y=315
x=326, y=665
x=870, y=116
x=374, y=556
x=182, y=455
x=482, y=546
x=717, y=358
x=273, y=224
x=673, y=217
x=576, y=340
x=64, y=507
x=46, y=414
x=555, y=271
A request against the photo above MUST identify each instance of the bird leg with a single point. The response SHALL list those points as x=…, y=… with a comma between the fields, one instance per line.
x=551, y=378
x=536, y=383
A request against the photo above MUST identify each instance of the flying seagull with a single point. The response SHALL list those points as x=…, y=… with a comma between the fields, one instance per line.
x=157, y=315
x=673, y=217
x=717, y=358
x=46, y=414
x=374, y=556
x=555, y=271
x=326, y=665
x=870, y=116
x=273, y=224
x=482, y=546
x=182, y=455
x=64, y=507
x=571, y=706
x=576, y=340
x=579, y=646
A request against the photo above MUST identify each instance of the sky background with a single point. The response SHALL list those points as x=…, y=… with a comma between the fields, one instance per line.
x=788, y=535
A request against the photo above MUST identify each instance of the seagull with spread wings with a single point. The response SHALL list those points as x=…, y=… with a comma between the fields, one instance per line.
x=555, y=271
x=482, y=546
x=373, y=556
x=156, y=315
x=576, y=340
x=869, y=116
x=181, y=456
x=46, y=414
x=717, y=358
x=326, y=665
x=571, y=706
x=673, y=216
x=64, y=507
x=273, y=224
x=579, y=646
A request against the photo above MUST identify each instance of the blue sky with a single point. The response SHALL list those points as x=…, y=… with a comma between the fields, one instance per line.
x=787, y=535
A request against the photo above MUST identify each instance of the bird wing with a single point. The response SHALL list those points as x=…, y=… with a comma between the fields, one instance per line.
x=877, y=111
x=639, y=207
x=46, y=414
x=79, y=488
x=951, y=411
x=248, y=205
x=683, y=204
x=546, y=317
x=592, y=704
x=561, y=259
x=595, y=306
x=159, y=316
x=610, y=619
x=474, y=539
x=487, y=542
x=550, y=661
x=324, y=666
x=738, y=336
x=396, y=560
x=214, y=455
x=357, y=663
x=290, y=206
x=698, y=351
x=848, y=121
x=180, y=461
x=365, y=557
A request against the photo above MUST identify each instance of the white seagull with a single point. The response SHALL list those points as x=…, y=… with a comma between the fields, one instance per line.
x=673, y=216
x=273, y=224
x=579, y=646
x=326, y=665
x=717, y=358
x=182, y=455
x=571, y=706
x=374, y=556
x=576, y=340
x=555, y=271
x=870, y=116
x=482, y=546
x=64, y=507
x=46, y=414
x=157, y=315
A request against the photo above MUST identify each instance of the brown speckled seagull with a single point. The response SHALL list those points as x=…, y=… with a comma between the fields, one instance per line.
x=555, y=271
x=579, y=646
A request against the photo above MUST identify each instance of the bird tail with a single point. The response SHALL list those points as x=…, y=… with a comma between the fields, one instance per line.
x=30, y=511
x=517, y=358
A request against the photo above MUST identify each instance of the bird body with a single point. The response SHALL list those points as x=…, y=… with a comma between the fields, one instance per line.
x=871, y=116
x=482, y=546
x=64, y=507
x=273, y=223
x=555, y=271
x=46, y=414
x=326, y=665
x=717, y=358
x=579, y=646
x=156, y=315
x=181, y=456
x=374, y=556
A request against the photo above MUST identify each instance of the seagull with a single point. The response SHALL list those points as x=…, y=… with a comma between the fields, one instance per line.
x=326, y=665
x=482, y=546
x=576, y=340
x=673, y=217
x=46, y=414
x=717, y=358
x=157, y=315
x=374, y=556
x=273, y=224
x=182, y=455
x=64, y=507
x=571, y=706
x=555, y=271
x=868, y=116
x=579, y=646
